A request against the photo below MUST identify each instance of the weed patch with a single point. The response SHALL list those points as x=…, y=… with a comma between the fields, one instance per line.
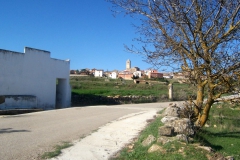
x=57, y=150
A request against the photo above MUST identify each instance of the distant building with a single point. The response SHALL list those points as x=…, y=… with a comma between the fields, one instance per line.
x=137, y=74
x=128, y=64
x=84, y=72
x=128, y=67
x=168, y=75
x=72, y=72
x=125, y=75
x=98, y=73
x=113, y=75
x=181, y=75
x=154, y=74
x=134, y=69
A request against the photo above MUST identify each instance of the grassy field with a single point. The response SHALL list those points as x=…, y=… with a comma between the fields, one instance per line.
x=92, y=86
x=222, y=134
x=112, y=87
x=222, y=131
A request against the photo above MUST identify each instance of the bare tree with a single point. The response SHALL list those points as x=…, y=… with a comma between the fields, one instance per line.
x=201, y=36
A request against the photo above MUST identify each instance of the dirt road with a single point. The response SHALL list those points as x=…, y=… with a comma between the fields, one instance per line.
x=28, y=136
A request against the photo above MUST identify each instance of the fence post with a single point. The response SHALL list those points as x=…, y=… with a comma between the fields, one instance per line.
x=170, y=91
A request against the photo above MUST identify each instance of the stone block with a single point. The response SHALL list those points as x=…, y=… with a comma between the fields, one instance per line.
x=168, y=119
x=172, y=110
x=163, y=139
x=166, y=131
x=156, y=148
x=148, y=140
x=182, y=126
x=182, y=137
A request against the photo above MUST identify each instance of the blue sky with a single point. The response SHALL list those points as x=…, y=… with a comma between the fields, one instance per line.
x=84, y=31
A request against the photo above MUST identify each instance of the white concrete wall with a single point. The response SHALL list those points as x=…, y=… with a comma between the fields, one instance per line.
x=33, y=73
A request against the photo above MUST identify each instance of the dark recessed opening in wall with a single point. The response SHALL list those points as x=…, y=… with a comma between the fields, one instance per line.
x=60, y=92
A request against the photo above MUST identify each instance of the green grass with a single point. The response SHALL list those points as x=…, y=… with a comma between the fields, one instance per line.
x=112, y=87
x=222, y=135
x=171, y=149
x=120, y=91
x=57, y=150
x=99, y=91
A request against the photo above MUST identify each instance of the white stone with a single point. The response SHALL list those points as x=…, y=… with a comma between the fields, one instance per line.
x=172, y=110
x=168, y=119
x=148, y=140
x=156, y=148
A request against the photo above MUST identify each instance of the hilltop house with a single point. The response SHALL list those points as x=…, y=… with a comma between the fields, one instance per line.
x=98, y=73
x=73, y=72
x=125, y=75
x=137, y=74
x=168, y=75
x=84, y=72
x=34, y=80
x=113, y=75
x=154, y=74
x=181, y=75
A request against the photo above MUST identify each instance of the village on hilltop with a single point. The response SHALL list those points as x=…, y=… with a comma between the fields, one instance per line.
x=128, y=74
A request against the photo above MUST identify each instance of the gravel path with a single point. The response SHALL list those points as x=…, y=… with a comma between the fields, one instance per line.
x=109, y=139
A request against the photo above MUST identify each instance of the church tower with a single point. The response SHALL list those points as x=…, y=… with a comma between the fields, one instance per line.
x=128, y=64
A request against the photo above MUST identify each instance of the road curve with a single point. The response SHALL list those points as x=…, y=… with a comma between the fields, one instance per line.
x=28, y=136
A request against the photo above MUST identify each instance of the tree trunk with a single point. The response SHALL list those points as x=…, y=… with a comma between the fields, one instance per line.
x=203, y=117
x=199, y=100
x=204, y=110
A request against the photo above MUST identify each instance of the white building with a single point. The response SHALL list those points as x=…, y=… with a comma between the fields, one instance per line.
x=34, y=80
x=137, y=74
x=113, y=75
x=168, y=77
x=98, y=73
